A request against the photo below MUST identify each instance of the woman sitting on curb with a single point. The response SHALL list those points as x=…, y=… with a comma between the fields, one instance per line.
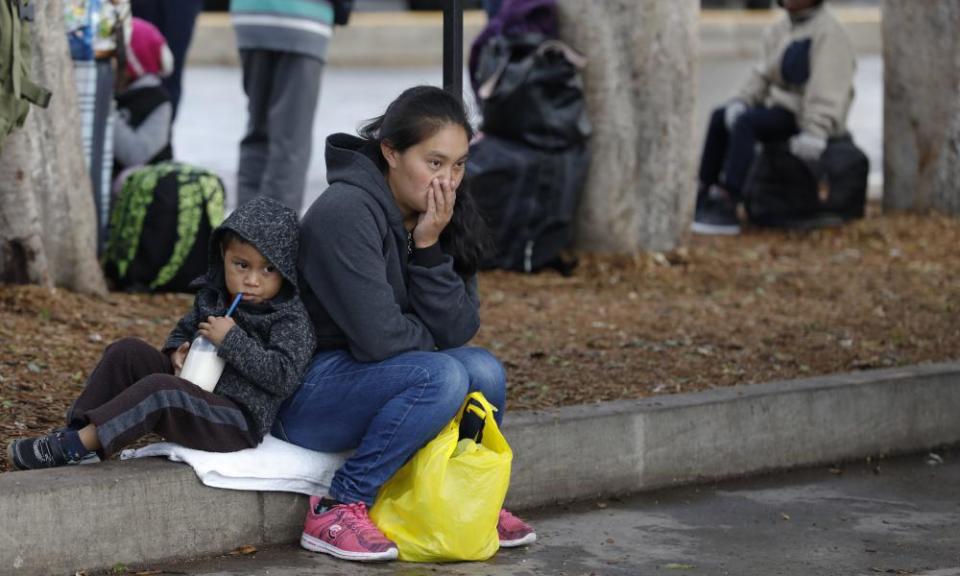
x=388, y=262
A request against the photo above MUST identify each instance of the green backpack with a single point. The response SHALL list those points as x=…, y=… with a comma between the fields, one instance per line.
x=16, y=88
x=160, y=227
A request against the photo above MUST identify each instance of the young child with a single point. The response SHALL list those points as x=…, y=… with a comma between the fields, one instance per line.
x=266, y=343
x=141, y=133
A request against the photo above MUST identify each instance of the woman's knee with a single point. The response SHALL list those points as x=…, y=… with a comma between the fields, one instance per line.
x=449, y=380
x=484, y=372
x=483, y=367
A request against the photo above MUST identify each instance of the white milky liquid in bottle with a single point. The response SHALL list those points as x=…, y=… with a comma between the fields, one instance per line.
x=203, y=367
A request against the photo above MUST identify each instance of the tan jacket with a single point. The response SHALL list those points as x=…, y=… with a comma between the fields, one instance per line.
x=822, y=102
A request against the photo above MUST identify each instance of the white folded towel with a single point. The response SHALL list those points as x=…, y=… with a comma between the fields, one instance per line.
x=274, y=466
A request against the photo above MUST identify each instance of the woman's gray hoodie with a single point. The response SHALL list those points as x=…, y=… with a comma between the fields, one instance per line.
x=269, y=348
x=364, y=286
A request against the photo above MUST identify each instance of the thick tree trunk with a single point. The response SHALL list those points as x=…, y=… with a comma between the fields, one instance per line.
x=641, y=93
x=922, y=105
x=23, y=259
x=46, y=203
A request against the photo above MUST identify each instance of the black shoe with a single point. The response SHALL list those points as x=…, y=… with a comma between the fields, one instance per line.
x=716, y=215
x=38, y=452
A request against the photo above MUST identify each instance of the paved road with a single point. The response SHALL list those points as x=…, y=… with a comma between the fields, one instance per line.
x=212, y=112
x=897, y=516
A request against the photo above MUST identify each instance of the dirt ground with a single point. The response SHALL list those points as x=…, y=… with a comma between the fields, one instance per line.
x=760, y=307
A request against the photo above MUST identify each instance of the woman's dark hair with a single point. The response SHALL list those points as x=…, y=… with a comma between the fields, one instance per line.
x=417, y=114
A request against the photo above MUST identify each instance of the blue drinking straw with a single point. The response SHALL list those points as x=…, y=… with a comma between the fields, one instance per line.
x=233, y=306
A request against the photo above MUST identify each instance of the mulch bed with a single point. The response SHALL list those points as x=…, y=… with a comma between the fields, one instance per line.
x=760, y=307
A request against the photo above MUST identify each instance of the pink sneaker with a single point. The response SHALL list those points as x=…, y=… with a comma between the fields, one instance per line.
x=345, y=531
x=513, y=531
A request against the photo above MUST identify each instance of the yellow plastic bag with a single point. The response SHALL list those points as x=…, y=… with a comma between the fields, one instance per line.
x=442, y=506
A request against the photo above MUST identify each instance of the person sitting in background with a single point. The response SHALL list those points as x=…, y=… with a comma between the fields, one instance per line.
x=799, y=93
x=141, y=133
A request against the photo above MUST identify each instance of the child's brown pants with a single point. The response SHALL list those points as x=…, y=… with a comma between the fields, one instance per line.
x=133, y=391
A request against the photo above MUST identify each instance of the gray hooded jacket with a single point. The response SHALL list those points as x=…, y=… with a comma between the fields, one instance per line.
x=269, y=348
x=365, y=288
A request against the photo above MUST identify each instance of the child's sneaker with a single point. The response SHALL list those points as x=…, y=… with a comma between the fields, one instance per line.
x=39, y=452
x=90, y=457
x=513, y=531
x=345, y=531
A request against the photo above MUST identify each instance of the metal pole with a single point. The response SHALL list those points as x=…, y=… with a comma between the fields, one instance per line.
x=453, y=47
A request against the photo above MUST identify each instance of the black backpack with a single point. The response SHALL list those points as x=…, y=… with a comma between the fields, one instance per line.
x=782, y=189
x=529, y=198
x=160, y=227
x=531, y=91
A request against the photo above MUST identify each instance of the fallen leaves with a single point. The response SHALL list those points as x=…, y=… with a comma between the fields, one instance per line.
x=761, y=307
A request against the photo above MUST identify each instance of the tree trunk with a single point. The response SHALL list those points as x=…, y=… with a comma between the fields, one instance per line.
x=640, y=85
x=49, y=226
x=23, y=259
x=921, y=148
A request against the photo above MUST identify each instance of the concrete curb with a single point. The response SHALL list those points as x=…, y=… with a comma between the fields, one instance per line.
x=150, y=511
x=416, y=38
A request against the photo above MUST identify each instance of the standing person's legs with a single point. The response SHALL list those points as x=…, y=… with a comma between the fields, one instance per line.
x=758, y=124
x=290, y=114
x=386, y=411
x=258, y=71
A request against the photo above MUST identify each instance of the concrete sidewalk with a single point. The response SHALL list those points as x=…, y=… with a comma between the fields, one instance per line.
x=889, y=516
x=150, y=511
x=416, y=38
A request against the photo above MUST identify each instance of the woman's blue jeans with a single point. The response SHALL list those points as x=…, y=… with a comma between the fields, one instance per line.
x=386, y=410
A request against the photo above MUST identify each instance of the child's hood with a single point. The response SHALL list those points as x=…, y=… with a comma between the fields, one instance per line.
x=268, y=226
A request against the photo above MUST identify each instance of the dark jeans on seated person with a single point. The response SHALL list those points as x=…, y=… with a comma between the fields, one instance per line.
x=385, y=411
x=731, y=153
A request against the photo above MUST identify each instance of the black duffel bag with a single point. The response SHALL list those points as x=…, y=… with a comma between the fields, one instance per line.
x=531, y=91
x=529, y=198
x=783, y=190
